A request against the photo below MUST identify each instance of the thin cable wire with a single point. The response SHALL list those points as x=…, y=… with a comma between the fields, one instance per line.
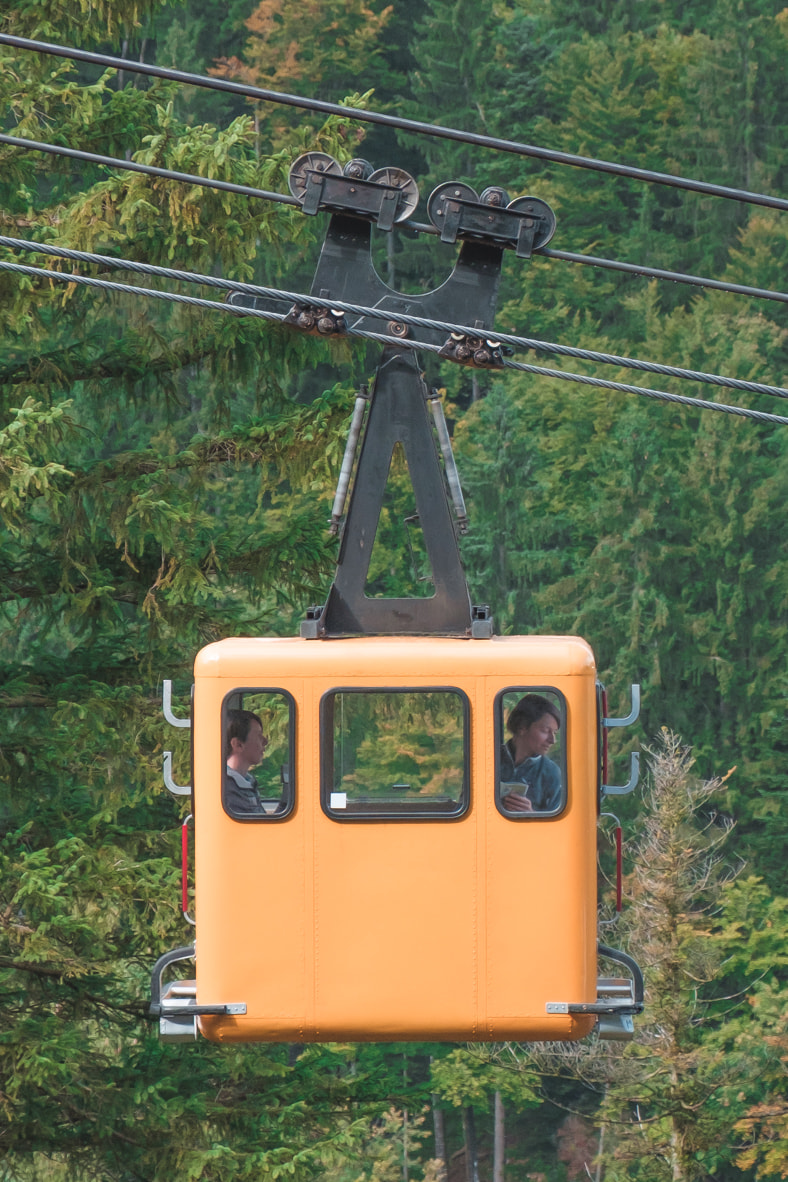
x=148, y=169
x=430, y=129
x=662, y=395
x=568, y=256
x=563, y=375
x=519, y=342
x=420, y=227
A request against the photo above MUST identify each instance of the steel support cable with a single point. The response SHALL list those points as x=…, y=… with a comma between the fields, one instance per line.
x=420, y=227
x=568, y=256
x=623, y=362
x=619, y=387
x=148, y=169
x=663, y=395
x=396, y=121
x=131, y=289
x=219, y=306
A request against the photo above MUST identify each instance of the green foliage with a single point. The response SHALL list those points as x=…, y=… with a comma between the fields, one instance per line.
x=164, y=480
x=471, y=1077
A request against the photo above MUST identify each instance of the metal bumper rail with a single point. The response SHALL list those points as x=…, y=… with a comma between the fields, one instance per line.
x=618, y=999
x=175, y=1004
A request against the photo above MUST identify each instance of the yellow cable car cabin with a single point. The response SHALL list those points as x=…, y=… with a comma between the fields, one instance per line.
x=383, y=890
x=379, y=852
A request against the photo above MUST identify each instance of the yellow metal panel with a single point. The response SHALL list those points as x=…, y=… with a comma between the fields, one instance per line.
x=251, y=890
x=541, y=917
x=391, y=916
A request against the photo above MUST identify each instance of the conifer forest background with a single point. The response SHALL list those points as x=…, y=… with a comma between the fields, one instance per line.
x=166, y=476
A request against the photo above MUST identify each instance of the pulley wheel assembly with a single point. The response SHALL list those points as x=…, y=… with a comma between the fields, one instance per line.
x=440, y=197
x=310, y=162
x=539, y=210
x=397, y=178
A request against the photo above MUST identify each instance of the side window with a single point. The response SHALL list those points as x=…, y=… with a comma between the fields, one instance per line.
x=258, y=754
x=396, y=754
x=530, y=780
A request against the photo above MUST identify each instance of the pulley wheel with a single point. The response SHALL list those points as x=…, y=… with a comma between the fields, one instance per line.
x=358, y=168
x=494, y=197
x=436, y=206
x=310, y=162
x=541, y=210
x=397, y=178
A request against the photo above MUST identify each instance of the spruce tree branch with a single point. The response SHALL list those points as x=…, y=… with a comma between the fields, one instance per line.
x=72, y=366
x=280, y=442
x=133, y=1009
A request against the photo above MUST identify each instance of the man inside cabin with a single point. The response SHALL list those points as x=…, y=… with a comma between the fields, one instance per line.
x=245, y=746
x=530, y=782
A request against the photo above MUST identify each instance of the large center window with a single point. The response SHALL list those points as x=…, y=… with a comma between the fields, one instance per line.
x=394, y=753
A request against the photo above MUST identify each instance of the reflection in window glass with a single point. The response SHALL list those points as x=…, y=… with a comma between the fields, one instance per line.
x=393, y=753
x=257, y=755
x=531, y=753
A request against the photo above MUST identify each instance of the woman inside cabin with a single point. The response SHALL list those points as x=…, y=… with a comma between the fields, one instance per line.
x=530, y=782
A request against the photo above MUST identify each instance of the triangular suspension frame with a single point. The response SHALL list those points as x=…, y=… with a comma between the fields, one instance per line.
x=397, y=414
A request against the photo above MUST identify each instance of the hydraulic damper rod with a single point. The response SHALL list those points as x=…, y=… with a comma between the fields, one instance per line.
x=449, y=463
x=362, y=399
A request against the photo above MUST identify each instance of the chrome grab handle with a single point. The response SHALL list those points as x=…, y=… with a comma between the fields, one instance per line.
x=175, y=789
x=633, y=714
x=166, y=705
x=634, y=776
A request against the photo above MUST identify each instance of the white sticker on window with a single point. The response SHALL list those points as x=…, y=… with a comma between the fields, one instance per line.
x=338, y=800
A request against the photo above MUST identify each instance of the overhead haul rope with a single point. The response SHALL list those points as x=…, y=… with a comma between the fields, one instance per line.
x=216, y=305
x=519, y=342
x=149, y=169
x=396, y=121
x=421, y=227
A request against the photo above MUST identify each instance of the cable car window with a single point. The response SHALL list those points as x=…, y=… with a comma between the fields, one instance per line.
x=395, y=754
x=531, y=752
x=258, y=737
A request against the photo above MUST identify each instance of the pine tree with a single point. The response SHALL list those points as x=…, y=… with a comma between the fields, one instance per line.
x=661, y=1118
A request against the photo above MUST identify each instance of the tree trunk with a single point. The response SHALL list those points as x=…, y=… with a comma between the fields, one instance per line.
x=124, y=49
x=598, y=1174
x=439, y=1127
x=405, y=1162
x=471, y=1150
x=499, y=1140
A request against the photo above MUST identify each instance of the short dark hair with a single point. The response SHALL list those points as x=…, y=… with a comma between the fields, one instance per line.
x=529, y=710
x=238, y=723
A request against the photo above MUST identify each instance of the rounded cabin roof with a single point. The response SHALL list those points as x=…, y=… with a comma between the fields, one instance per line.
x=416, y=658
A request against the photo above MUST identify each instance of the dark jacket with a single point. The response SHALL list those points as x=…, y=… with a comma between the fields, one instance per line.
x=540, y=777
x=241, y=798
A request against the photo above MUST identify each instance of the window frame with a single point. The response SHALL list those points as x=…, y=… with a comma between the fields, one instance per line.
x=290, y=792
x=402, y=814
x=499, y=725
